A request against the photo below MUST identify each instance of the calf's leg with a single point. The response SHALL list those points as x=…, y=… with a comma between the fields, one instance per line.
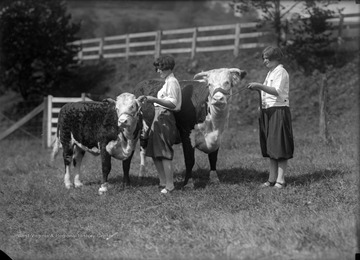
x=77, y=159
x=213, y=160
x=67, y=155
x=106, y=168
x=142, y=171
x=189, y=157
x=126, y=169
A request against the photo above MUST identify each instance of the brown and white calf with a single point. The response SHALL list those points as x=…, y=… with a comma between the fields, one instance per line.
x=204, y=114
x=109, y=129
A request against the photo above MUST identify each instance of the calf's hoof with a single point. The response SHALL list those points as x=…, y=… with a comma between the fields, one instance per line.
x=78, y=184
x=103, y=189
x=68, y=186
x=189, y=184
x=213, y=178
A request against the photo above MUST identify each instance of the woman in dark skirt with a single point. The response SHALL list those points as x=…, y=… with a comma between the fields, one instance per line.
x=163, y=133
x=275, y=127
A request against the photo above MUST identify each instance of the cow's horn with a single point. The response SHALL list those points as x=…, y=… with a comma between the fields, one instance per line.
x=201, y=74
x=242, y=73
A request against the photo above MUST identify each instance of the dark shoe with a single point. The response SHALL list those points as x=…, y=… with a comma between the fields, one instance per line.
x=267, y=184
x=279, y=185
x=161, y=187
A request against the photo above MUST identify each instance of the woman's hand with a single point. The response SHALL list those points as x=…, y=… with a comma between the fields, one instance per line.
x=151, y=99
x=254, y=86
x=142, y=98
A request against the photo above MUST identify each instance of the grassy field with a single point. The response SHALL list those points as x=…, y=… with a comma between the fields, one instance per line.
x=313, y=218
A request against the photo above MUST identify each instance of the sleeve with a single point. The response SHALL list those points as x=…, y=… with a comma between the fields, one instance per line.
x=172, y=93
x=280, y=82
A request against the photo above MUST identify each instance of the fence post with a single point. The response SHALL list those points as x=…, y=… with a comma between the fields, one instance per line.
x=48, y=107
x=340, y=30
x=83, y=96
x=80, y=55
x=158, y=44
x=101, y=48
x=323, y=124
x=44, y=123
x=237, y=39
x=193, y=45
x=127, y=46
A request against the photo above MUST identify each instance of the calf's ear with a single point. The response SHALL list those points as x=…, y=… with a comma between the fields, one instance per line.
x=243, y=73
x=202, y=74
x=240, y=73
x=109, y=100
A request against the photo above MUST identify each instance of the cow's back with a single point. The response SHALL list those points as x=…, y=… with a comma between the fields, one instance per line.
x=89, y=122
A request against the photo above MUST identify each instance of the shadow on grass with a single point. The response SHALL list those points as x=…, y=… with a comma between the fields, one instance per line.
x=254, y=177
x=230, y=176
x=304, y=179
x=134, y=181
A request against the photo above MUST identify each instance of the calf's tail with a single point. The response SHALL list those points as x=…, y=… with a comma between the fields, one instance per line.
x=56, y=145
x=56, y=148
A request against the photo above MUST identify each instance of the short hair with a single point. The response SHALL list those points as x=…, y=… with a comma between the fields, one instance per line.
x=273, y=53
x=166, y=62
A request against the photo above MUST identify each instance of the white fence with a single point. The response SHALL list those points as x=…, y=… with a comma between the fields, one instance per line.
x=232, y=37
x=52, y=106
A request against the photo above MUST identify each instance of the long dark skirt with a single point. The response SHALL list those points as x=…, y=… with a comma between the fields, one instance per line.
x=276, y=135
x=163, y=134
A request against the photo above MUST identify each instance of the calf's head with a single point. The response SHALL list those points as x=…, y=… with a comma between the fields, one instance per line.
x=127, y=109
x=220, y=83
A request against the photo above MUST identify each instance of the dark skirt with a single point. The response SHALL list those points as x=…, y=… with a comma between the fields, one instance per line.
x=276, y=135
x=163, y=134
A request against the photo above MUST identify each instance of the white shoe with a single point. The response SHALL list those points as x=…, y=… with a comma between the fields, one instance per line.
x=166, y=191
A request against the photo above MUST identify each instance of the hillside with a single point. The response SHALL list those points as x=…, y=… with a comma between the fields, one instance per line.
x=110, y=77
x=342, y=85
x=105, y=18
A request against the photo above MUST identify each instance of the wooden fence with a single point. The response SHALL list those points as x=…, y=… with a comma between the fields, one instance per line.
x=233, y=37
x=50, y=108
x=190, y=40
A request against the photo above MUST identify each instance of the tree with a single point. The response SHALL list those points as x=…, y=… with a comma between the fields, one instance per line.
x=272, y=12
x=35, y=49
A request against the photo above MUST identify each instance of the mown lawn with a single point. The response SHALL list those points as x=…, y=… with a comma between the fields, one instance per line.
x=313, y=218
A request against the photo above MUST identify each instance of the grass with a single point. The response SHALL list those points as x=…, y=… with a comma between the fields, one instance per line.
x=313, y=218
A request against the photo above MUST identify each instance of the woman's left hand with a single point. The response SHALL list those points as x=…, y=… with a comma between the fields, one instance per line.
x=151, y=99
x=142, y=98
x=253, y=86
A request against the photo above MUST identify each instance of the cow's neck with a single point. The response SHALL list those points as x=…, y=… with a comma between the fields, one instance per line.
x=219, y=117
x=125, y=143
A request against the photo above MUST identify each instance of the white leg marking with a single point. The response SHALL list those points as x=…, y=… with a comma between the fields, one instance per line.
x=78, y=159
x=214, y=179
x=77, y=181
x=103, y=189
x=142, y=171
x=67, y=177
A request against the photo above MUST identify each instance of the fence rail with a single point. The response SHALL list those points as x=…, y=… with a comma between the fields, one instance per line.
x=231, y=37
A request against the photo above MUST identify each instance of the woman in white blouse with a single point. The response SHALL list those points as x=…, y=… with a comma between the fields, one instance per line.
x=276, y=135
x=163, y=133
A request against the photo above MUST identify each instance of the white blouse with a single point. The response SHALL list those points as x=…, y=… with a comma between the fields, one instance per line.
x=170, y=91
x=278, y=78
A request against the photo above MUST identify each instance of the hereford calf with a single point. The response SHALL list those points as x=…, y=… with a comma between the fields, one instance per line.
x=203, y=117
x=109, y=129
